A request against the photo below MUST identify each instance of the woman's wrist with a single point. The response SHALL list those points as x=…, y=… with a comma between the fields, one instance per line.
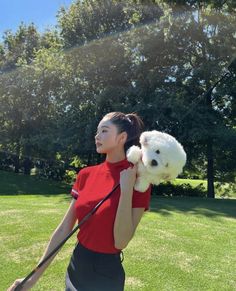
x=128, y=192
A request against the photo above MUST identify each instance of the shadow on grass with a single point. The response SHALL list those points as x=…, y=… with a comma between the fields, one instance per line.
x=15, y=184
x=196, y=206
x=19, y=184
x=190, y=205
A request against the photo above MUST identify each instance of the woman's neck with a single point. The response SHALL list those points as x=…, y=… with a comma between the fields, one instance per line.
x=115, y=157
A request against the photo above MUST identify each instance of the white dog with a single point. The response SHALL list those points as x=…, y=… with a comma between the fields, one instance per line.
x=161, y=157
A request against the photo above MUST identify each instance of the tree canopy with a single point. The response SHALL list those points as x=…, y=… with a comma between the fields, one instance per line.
x=157, y=58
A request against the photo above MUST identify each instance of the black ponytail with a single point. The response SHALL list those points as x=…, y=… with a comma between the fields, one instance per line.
x=131, y=123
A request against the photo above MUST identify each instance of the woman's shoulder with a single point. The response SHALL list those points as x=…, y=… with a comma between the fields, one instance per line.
x=89, y=169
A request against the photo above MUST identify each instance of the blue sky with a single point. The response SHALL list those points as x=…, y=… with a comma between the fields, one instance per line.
x=41, y=12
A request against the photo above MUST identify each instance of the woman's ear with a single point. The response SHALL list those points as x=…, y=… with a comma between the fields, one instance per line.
x=123, y=137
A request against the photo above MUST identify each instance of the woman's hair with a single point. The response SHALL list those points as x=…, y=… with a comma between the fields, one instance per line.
x=131, y=123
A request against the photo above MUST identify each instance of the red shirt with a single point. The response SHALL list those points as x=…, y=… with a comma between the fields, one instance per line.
x=91, y=186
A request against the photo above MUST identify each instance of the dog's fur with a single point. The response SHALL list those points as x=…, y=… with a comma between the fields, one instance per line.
x=160, y=158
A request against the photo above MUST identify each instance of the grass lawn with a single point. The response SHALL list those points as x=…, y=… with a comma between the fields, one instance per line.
x=180, y=244
x=192, y=182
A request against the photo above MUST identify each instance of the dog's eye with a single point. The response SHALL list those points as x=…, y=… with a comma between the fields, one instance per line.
x=157, y=152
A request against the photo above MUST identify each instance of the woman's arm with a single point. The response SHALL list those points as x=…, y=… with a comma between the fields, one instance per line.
x=127, y=218
x=63, y=229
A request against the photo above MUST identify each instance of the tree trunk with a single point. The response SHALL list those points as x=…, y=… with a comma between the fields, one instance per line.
x=210, y=154
x=210, y=169
x=16, y=159
x=27, y=166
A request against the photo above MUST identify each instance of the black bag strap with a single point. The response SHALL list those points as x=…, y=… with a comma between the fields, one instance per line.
x=86, y=217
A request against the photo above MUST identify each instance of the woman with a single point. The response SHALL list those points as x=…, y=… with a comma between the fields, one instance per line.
x=96, y=263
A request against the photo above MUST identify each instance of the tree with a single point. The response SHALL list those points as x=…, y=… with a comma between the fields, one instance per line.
x=19, y=48
x=26, y=92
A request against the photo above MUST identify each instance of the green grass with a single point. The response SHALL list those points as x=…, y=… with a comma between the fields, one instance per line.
x=193, y=183
x=180, y=244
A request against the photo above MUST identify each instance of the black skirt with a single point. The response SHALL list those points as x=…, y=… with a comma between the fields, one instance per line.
x=92, y=271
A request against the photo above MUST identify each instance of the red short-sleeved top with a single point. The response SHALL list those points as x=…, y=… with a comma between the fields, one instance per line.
x=91, y=186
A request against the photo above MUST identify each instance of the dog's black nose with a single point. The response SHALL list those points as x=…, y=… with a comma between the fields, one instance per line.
x=154, y=163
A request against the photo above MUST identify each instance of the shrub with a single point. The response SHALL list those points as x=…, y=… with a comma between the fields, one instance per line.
x=168, y=189
x=70, y=176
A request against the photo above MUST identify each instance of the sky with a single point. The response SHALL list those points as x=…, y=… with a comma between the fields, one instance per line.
x=41, y=12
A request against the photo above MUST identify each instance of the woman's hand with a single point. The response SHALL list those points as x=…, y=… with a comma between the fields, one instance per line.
x=127, y=179
x=27, y=286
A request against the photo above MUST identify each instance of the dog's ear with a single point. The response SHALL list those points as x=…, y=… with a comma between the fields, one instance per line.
x=144, y=139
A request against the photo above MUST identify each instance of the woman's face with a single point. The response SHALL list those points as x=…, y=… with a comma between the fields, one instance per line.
x=107, y=138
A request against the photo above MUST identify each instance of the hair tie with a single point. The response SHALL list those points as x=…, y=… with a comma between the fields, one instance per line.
x=127, y=118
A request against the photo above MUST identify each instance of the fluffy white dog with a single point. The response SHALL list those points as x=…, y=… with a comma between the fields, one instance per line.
x=160, y=158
